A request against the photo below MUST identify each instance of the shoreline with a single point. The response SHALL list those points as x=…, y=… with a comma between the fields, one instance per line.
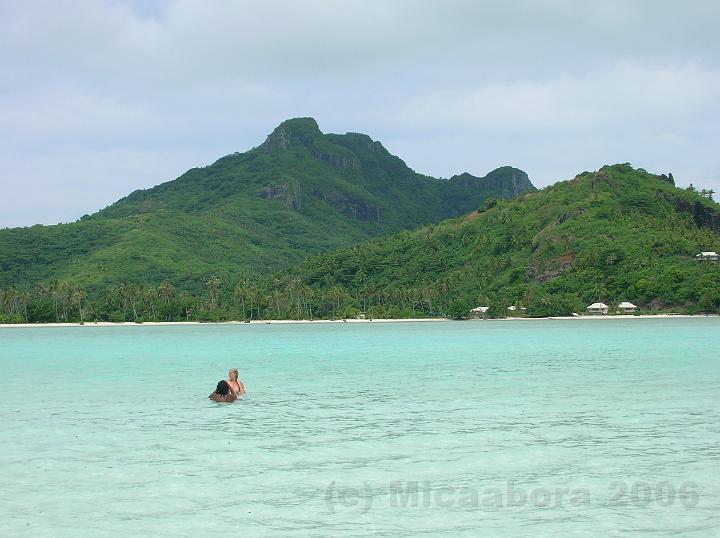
x=324, y=321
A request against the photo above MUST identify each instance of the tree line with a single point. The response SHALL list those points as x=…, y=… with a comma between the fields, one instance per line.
x=292, y=297
x=617, y=234
x=247, y=298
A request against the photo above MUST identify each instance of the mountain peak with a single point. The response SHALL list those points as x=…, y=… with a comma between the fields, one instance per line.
x=291, y=131
x=508, y=181
x=507, y=171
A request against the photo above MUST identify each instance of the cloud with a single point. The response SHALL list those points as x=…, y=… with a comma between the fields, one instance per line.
x=628, y=92
x=84, y=179
x=136, y=91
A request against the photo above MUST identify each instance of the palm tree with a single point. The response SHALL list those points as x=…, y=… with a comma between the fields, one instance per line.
x=77, y=296
x=114, y=298
x=254, y=297
x=600, y=291
x=129, y=293
x=240, y=292
x=42, y=291
x=63, y=290
x=166, y=292
x=53, y=291
x=3, y=293
x=276, y=294
x=334, y=294
x=150, y=297
x=212, y=285
x=305, y=297
x=11, y=301
x=292, y=286
x=24, y=299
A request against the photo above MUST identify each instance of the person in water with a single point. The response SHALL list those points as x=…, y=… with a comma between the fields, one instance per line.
x=236, y=386
x=223, y=393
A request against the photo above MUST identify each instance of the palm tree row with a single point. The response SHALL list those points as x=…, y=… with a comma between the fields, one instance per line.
x=248, y=298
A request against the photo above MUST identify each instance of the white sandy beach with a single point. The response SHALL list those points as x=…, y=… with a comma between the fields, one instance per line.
x=253, y=322
x=374, y=320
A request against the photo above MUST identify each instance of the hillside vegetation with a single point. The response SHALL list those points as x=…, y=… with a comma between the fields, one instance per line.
x=614, y=235
x=301, y=192
x=618, y=234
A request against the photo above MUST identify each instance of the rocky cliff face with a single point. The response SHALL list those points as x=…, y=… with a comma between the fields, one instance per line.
x=279, y=140
x=508, y=182
x=335, y=160
x=296, y=131
x=290, y=195
x=304, y=132
x=364, y=162
x=704, y=217
x=352, y=207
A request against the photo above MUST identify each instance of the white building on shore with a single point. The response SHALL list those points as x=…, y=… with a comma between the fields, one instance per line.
x=627, y=308
x=597, y=309
x=708, y=256
x=480, y=311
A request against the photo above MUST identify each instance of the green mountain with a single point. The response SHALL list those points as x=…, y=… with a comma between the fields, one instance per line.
x=301, y=192
x=618, y=234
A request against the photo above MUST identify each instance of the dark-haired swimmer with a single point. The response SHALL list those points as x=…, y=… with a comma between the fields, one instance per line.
x=223, y=393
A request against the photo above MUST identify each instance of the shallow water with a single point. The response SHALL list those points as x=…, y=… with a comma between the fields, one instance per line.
x=526, y=428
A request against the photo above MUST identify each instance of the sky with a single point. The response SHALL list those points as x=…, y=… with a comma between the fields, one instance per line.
x=100, y=98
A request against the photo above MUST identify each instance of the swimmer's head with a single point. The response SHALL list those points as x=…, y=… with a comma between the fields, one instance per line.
x=222, y=388
x=233, y=374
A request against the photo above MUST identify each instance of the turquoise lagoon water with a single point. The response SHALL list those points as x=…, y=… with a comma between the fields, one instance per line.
x=526, y=428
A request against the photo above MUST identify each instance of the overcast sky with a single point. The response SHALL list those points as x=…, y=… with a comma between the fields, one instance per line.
x=99, y=98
